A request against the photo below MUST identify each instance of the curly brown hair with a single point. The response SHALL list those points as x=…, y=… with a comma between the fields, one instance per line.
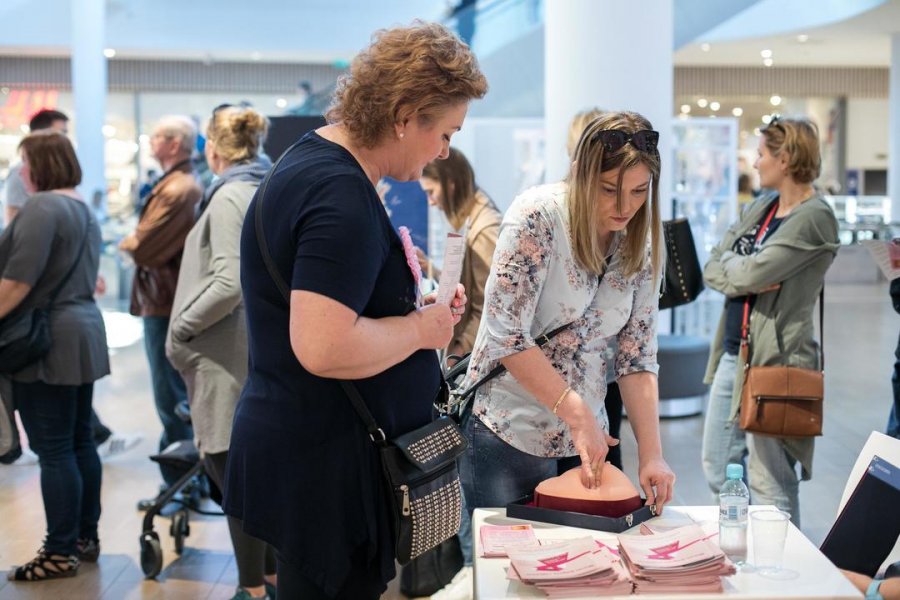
x=421, y=70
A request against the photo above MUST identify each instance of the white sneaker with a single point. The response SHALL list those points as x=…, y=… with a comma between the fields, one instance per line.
x=118, y=444
x=460, y=588
x=27, y=459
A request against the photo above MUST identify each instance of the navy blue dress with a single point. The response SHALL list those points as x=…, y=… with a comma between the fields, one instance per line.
x=302, y=473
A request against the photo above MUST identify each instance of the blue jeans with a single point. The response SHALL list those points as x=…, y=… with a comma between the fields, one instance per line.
x=168, y=391
x=493, y=474
x=57, y=419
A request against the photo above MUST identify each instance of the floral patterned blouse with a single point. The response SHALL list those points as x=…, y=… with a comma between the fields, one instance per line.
x=535, y=286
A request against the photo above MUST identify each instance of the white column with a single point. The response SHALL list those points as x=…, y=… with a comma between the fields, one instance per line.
x=894, y=129
x=89, y=89
x=611, y=54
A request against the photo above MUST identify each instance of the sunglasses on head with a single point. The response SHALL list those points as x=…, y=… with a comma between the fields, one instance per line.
x=644, y=140
x=775, y=122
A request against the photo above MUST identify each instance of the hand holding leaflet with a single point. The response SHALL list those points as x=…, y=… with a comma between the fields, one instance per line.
x=454, y=251
x=886, y=255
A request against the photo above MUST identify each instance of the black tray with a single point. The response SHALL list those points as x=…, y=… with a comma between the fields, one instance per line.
x=520, y=509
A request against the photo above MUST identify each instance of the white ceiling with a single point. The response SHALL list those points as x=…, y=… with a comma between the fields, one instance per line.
x=864, y=40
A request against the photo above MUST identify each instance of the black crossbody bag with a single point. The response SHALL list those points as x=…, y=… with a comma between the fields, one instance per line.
x=25, y=337
x=418, y=467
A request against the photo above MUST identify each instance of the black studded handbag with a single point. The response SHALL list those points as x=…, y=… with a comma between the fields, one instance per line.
x=684, y=277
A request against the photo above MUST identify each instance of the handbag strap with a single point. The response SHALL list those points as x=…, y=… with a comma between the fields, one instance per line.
x=356, y=399
x=745, y=322
x=87, y=230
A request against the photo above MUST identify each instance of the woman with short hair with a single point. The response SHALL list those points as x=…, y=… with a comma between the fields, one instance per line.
x=303, y=473
x=55, y=240
x=774, y=261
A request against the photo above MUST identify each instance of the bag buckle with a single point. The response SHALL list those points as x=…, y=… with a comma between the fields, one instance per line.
x=380, y=433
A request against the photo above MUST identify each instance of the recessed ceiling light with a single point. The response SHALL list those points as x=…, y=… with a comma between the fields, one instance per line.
x=702, y=102
x=775, y=100
x=756, y=131
x=714, y=106
x=768, y=62
x=802, y=38
x=281, y=103
x=109, y=52
x=685, y=108
x=767, y=119
x=705, y=47
x=737, y=111
x=766, y=53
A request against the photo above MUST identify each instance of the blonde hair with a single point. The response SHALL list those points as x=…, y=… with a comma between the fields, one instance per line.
x=421, y=69
x=800, y=139
x=576, y=127
x=237, y=132
x=590, y=162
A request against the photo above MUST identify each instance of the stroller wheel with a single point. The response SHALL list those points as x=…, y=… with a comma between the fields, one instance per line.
x=151, y=554
x=180, y=530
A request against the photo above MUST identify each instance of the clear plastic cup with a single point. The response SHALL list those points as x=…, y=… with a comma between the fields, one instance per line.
x=769, y=531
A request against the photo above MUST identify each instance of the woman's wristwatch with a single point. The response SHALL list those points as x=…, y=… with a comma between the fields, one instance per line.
x=872, y=592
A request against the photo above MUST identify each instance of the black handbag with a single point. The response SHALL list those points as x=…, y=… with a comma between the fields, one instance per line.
x=432, y=570
x=419, y=467
x=456, y=402
x=684, y=277
x=25, y=337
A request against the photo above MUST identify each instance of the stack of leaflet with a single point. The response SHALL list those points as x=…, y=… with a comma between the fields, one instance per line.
x=495, y=539
x=570, y=568
x=683, y=560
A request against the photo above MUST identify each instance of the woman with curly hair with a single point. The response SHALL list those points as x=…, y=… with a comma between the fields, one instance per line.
x=303, y=474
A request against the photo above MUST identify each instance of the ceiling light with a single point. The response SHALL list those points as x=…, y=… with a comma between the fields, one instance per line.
x=756, y=131
x=109, y=52
x=737, y=111
x=705, y=47
x=685, y=108
x=702, y=102
x=767, y=119
x=109, y=131
x=714, y=106
x=281, y=103
x=768, y=62
x=766, y=53
x=775, y=100
x=802, y=38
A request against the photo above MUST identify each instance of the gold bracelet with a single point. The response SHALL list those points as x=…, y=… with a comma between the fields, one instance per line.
x=561, y=398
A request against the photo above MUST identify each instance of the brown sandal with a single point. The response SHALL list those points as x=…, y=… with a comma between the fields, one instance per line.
x=46, y=566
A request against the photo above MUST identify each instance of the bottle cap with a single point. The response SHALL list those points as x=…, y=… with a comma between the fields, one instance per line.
x=734, y=471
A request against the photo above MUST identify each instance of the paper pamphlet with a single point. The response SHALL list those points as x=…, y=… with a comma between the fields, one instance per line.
x=454, y=250
x=886, y=255
x=495, y=539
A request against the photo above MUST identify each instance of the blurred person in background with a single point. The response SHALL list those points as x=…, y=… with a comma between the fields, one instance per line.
x=775, y=257
x=207, y=338
x=56, y=240
x=156, y=245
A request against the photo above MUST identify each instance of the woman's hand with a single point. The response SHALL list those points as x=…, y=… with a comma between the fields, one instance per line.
x=434, y=324
x=591, y=441
x=657, y=481
x=457, y=305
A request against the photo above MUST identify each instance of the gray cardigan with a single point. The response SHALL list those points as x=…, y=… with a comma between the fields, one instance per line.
x=782, y=329
x=207, y=338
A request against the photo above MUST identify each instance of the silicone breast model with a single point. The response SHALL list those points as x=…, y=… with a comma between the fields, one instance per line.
x=615, y=497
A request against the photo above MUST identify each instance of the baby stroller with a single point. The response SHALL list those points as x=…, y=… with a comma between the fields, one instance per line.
x=182, y=455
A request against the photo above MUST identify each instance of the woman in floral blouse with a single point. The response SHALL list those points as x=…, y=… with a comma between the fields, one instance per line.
x=585, y=252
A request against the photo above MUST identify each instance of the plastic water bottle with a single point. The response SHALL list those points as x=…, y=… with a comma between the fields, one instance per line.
x=733, y=502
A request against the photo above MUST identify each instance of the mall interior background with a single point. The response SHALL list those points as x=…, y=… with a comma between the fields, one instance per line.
x=732, y=66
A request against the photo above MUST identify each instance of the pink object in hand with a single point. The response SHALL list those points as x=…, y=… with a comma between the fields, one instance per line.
x=410, y=251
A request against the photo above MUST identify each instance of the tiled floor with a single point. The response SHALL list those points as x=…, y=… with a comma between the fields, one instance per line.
x=861, y=332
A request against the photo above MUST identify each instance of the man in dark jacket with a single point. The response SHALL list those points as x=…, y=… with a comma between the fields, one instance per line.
x=156, y=246
x=893, y=428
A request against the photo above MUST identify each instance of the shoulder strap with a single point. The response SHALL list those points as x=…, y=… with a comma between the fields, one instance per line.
x=745, y=329
x=375, y=432
x=87, y=230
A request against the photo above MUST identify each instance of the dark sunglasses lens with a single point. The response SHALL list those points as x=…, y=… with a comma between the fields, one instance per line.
x=646, y=140
x=613, y=139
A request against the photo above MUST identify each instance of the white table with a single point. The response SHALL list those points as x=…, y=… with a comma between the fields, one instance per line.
x=812, y=574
